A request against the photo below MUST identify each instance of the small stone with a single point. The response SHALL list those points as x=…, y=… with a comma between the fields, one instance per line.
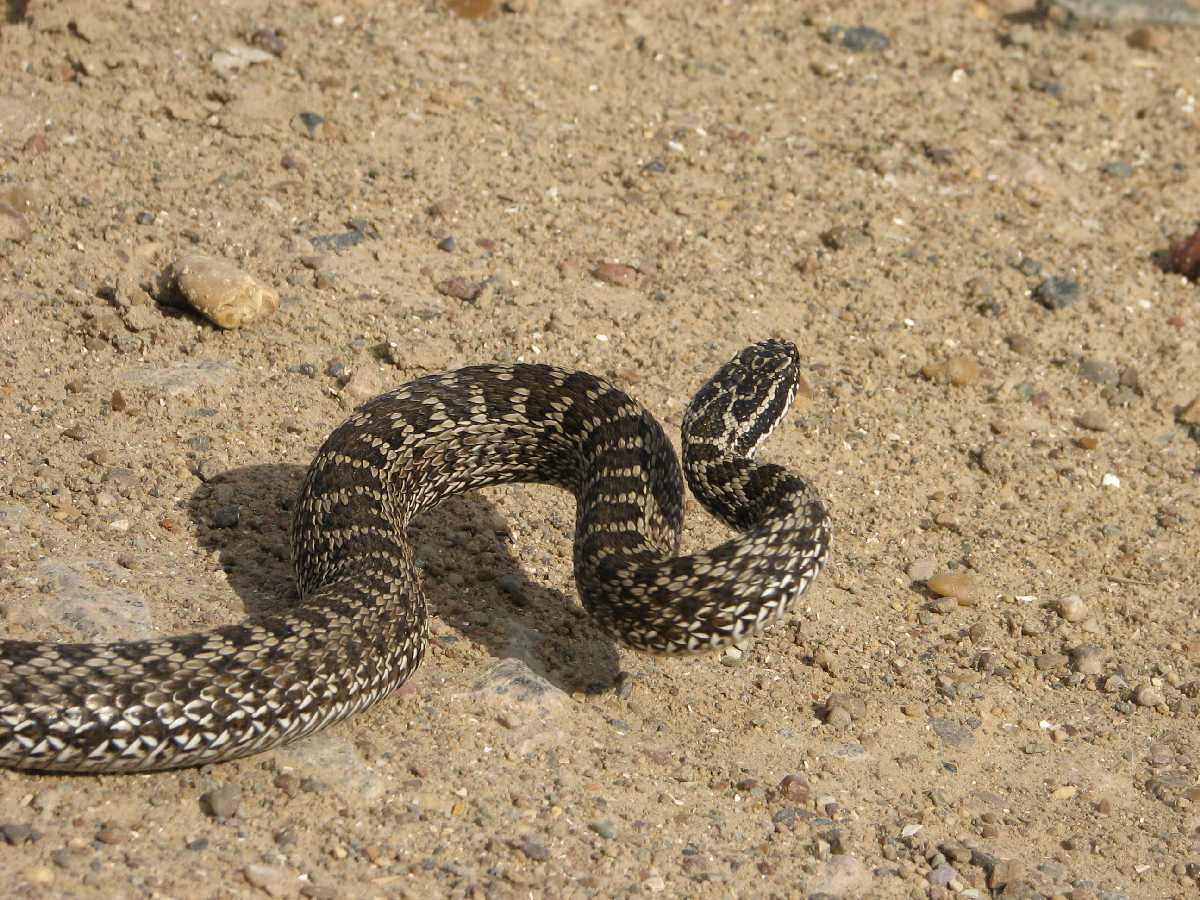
x=447, y=244
x=794, y=789
x=607, y=829
x=1057, y=293
x=860, y=38
x=222, y=802
x=1148, y=695
x=1093, y=420
x=1117, y=169
x=221, y=292
x=921, y=570
x=113, y=834
x=961, y=586
x=1047, y=661
x=1087, y=442
x=838, y=717
x=1020, y=344
x=227, y=516
x=533, y=849
x=1185, y=256
x=271, y=881
x=1146, y=39
x=1099, y=371
x=1005, y=872
x=15, y=834
x=1190, y=414
x=312, y=124
x=1072, y=608
x=460, y=289
x=1087, y=659
x=365, y=383
x=1114, y=684
x=958, y=371
x=614, y=273
x=942, y=875
x=855, y=707
x=13, y=225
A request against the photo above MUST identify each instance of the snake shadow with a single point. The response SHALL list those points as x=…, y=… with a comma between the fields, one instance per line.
x=472, y=581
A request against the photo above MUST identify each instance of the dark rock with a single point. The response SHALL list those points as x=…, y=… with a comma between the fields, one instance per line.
x=1057, y=293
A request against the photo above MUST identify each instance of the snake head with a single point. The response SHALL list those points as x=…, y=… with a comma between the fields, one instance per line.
x=739, y=407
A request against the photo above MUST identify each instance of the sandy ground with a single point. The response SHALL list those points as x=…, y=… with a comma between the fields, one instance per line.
x=893, y=210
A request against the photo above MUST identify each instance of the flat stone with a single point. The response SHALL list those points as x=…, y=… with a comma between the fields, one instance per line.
x=336, y=761
x=78, y=598
x=1125, y=12
x=184, y=377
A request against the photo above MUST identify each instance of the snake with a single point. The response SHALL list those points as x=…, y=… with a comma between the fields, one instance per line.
x=360, y=625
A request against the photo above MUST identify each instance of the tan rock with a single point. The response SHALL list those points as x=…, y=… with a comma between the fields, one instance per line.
x=221, y=292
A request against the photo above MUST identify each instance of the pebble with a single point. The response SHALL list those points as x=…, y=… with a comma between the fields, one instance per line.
x=795, y=789
x=114, y=834
x=858, y=39
x=1093, y=420
x=363, y=384
x=1044, y=662
x=1190, y=414
x=312, y=124
x=942, y=875
x=447, y=244
x=13, y=225
x=533, y=849
x=270, y=880
x=921, y=570
x=958, y=371
x=607, y=829
x=222, y=802
x=614, y=273
x=1148, y=695
x=961, y=587
x=221, y=292
x=854, y=707
x=1185, y=256
x=227, y=516
x=460, y=289
x=1099, y=371
x=1087, y=659
x=1072, y=608
x=1005, y=872
x=1057, y=292
x=17, y=833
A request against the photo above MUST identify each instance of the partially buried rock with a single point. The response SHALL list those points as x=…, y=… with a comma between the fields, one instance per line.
x=221, y=292
x=13, y=226
x=961, y=587
x=1057, y=293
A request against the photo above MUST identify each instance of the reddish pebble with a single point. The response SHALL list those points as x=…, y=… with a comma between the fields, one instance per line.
x=1185, y=256
x=614, y=273
x=460, y=289
x=37, y=144
x=794, y=788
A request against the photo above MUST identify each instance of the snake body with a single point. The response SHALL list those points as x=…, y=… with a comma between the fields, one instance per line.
x=360, y=628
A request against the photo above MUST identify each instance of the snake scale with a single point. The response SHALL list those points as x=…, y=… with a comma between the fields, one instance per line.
x=360, y=628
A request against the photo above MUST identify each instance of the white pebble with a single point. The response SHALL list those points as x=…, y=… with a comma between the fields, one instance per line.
x=1072, y=608
x=1111, y=480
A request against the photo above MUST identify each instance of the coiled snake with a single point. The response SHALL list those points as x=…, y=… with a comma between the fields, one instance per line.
x=360, y=627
